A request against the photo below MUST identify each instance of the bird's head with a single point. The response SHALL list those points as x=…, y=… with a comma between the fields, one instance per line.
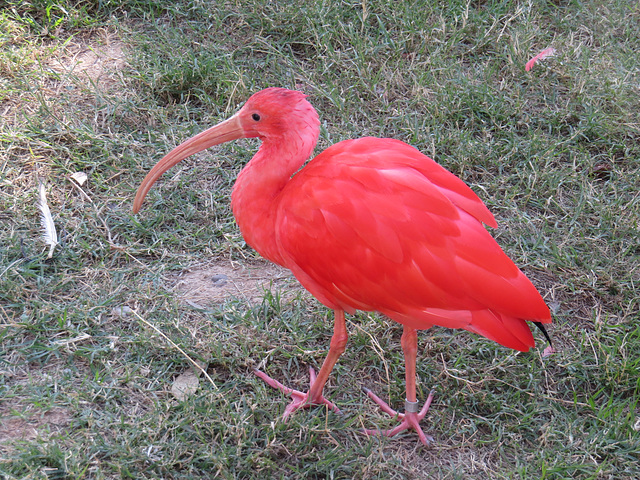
x=275, y=115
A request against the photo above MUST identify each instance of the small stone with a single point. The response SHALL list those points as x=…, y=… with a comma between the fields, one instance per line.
x=219, y=280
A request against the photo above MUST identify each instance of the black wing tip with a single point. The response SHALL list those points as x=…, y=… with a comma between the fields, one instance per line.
x=540, y=325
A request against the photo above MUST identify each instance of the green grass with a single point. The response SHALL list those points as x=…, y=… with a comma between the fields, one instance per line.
x=554, y=152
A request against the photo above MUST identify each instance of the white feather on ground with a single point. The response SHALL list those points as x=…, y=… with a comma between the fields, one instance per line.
x=49, y=234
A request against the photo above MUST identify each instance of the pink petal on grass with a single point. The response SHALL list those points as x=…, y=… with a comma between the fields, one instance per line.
x=548, y=351
x=547, y=52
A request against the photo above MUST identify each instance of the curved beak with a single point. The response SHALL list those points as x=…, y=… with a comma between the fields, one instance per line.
x=223, y=132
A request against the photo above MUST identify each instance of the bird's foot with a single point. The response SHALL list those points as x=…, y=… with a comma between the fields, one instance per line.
x=300, y=399
x=410, y=420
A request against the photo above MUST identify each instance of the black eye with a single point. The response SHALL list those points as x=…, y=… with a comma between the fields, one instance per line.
x=256, y=117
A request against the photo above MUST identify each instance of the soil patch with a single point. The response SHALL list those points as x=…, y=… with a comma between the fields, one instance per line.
x=97, y=60
x=222, y=279
x=29, y=424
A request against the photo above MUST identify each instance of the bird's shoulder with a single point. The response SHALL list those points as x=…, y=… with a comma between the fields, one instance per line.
x=389, y=167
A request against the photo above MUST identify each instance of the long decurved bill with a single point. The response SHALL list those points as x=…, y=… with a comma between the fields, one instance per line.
x=223, y=132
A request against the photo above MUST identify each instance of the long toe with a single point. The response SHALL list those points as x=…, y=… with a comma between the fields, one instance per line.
x=384, y=406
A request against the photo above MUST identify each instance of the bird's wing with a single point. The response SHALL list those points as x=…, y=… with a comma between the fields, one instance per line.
x=373, y=224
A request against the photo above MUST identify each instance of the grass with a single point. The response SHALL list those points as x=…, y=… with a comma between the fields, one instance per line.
x=555, y=153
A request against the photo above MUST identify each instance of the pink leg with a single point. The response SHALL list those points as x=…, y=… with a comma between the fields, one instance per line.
x=411, y=418
x=316, y=383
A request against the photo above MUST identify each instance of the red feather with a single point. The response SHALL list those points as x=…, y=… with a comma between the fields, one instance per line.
x=547, y=52
x=373, y=224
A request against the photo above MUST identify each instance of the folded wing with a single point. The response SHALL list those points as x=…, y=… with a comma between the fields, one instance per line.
x=373, y=224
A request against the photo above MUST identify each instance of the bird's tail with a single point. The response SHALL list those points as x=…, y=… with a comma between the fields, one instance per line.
x=509, y=331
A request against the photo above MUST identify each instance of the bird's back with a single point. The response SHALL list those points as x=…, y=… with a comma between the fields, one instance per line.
x=373, y=224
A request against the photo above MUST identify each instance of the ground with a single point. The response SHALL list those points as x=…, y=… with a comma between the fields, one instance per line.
x=130, y=352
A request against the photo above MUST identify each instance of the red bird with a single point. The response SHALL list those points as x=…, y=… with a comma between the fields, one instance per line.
x=369, y=224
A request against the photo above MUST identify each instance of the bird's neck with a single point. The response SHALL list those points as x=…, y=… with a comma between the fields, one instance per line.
x=257, y=191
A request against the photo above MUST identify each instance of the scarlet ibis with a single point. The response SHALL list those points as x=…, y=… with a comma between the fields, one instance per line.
x=369, y=224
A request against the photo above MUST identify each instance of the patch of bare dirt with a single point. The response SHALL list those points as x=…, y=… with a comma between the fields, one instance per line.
x=19, y=423
x=74, y=70
x=222, y=280
x=97, y=59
